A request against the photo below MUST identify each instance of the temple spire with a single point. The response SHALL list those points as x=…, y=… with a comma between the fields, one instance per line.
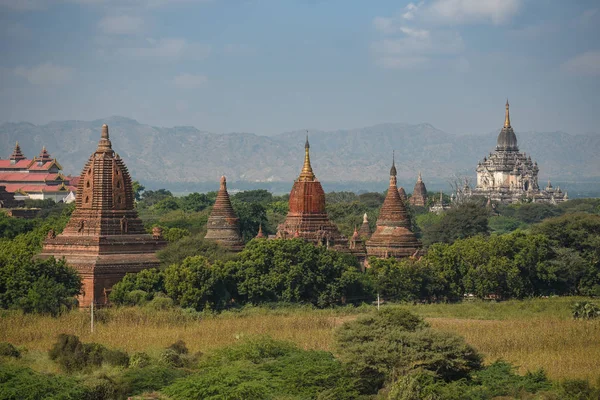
x=223, y=185
x=104, y=145
x=307, y=172
x=17, y=153
x=507, y=116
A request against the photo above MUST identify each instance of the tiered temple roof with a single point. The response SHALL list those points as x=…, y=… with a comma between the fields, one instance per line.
x=393, y=237
x=37, y=178
x=419, y=194
x=508, y=175
x=402, y=193
x=223, y=225
x=307, y=218
x=104, y=238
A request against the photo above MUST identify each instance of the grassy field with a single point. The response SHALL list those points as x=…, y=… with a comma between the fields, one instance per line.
x=531, y=334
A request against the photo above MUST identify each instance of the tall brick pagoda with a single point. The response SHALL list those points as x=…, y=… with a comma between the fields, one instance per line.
x=307, y=218
x=419, y=194
x=402, y=193
x=104, y=238
x=392, y=236
x=223, y=225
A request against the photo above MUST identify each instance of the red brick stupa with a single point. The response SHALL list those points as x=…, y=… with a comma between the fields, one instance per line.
x=223, y=225
x=307, y=218
x=419, y=194
x=104, y=239
x=393, y=237
x=402, y=193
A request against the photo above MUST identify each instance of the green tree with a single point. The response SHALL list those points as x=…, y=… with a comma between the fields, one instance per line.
x=138, y=188
x=195, y=283
x=466, y=220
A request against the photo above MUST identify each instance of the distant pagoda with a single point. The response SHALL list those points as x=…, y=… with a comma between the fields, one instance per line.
x=510, y=176
x=104, y=238
x=223, y=225
x=419, y=194
x=365, y=230
x=392, y=236
x=307, y=218
x=402, y=193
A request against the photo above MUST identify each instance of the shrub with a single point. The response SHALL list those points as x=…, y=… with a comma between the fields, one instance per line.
x=71, y=354
x=148, y=378
x=159, y=303
x=139, y=360
x=178, y=347
x=263, y=368
x=8, y=350
x=23, y=383
x=585, y=310
x=377, y=348
x=171, y=358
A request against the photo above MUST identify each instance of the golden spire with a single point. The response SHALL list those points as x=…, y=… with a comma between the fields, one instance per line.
x=307, y=172
x=507, y=116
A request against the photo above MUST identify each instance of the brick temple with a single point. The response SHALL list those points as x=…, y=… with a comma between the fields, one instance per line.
x=419, y=194
x=104, y=238
x=392, y=236
x=223, y=225
x=307, y=218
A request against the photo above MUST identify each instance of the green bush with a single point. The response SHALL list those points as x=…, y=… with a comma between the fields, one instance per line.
x=262, y=368
x=135, y=381
x=73, y=355
x=379, y=347
x=139, y=360
x=585, y=310
x=170, y=358
x=179, y=347
x=8, y=350
x=18, y=383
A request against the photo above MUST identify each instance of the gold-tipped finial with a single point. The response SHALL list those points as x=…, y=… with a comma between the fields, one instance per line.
x=507, y=116
x=307, y=172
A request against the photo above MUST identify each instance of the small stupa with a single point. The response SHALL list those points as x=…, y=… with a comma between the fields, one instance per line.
x=223, y=225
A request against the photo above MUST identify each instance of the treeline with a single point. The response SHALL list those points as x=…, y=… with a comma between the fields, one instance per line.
x=391, y=354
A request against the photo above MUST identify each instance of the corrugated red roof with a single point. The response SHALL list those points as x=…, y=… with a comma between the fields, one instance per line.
x=38, y=188
x=25, y=177
x=18, y=165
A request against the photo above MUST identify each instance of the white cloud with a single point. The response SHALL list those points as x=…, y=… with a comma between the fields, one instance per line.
x=121, y=25
x=189, y=81
x=45, y=74
x=416, y=48
x=166, y=49
x=587, y=63
x=473, y=11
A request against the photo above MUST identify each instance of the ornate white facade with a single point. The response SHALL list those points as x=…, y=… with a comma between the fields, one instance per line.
x=509, y=176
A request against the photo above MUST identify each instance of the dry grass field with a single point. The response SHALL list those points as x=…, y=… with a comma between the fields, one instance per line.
x=531, y=334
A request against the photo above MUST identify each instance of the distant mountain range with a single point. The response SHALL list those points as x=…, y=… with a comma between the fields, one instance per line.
x=186, y=155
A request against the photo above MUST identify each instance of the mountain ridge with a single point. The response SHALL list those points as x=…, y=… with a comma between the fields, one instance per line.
x=186, y=154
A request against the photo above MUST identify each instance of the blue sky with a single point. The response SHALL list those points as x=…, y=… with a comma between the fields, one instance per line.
x=268, y=66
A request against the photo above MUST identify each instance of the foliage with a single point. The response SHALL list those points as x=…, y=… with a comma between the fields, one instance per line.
x=11, y=227
x=500, y=224
x=378, y=348
x=251, y=216
x=8, y=350
x=263, y=368
x=135, y=381
x=295, y=271
x=17, y=383
x=466, y=220
x=586, y=310
x=189, y=246
x=72, y=355
x=138, y=188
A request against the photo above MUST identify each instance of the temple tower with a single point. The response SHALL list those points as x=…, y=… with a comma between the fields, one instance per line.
x=307, y=218
x=392, y=236
x=223, y=225
x=419, y=195
x=365, y=230
x=508, y=175
x=104, y=238
x=402, y=193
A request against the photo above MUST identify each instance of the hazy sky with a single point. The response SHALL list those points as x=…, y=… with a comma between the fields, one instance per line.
x=268, y=66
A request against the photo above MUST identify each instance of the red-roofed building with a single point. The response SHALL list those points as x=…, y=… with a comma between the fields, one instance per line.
x=39, y=178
